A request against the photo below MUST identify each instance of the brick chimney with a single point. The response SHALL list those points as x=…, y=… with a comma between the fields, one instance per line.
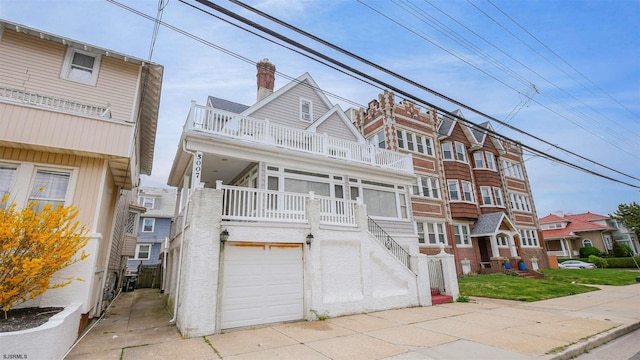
x=266, y=78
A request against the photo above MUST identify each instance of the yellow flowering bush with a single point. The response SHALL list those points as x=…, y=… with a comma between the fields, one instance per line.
x=34, y=245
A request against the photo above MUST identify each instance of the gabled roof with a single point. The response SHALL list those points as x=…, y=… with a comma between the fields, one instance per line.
x=481, y=136
x=576, y=223
x=489, y=224
x=337, y=110
x=445, y=129
x=226, y=105
x=306, y=77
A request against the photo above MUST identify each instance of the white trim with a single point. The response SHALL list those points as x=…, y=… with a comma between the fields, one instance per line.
x=338, y=111
x=153, y=225
x=305, y=116
x=67, y=64
x=137, y=253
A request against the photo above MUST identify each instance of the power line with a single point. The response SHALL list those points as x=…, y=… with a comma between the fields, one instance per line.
x=378, y=67
x=366, y=77
x=634, y=115
x=510, y=72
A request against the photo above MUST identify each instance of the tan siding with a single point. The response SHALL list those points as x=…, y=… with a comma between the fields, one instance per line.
x=89, y=176
x=396, y=227
x=40, y=67
x=33, y=126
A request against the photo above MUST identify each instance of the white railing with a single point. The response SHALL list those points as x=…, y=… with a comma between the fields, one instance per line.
x=249, y=204
x=25, y=97
x=337, y=211
x=220, y=122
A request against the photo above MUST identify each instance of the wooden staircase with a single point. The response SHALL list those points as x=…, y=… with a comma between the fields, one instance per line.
x=437, y=298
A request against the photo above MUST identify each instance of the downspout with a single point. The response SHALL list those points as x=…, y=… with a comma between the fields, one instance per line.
x=164, y=263
x=184, y=225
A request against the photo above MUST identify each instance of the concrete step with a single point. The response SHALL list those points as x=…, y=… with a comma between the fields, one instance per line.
x=441, y=299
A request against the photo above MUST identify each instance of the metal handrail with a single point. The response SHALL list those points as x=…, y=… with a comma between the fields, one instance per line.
x=387, y=241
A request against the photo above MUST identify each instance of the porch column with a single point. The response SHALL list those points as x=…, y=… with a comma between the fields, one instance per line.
x=495, y=252
x=564, y=249
x=313, y=261
x=513, y=250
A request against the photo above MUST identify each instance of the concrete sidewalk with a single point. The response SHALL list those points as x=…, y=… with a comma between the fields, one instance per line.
x=137, y=327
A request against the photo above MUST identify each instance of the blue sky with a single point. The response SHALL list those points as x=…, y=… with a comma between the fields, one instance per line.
x=581, y=56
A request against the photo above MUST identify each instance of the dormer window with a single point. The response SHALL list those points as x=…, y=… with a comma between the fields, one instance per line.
x=306, y=110
x=80, y=66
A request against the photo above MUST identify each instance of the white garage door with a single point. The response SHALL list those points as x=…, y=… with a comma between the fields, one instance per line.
x=262, y=283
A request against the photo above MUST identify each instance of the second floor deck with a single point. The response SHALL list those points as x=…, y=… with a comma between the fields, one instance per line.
x=220, y=123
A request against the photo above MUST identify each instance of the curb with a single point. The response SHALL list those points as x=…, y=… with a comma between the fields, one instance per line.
x=580, y=348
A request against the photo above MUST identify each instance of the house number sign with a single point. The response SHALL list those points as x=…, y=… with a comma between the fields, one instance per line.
x=197, y=169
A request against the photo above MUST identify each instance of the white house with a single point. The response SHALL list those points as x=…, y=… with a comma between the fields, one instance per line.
x=284, y=212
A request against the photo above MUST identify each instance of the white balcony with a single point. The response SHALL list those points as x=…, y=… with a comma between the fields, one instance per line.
x=230, y=125
x=53, y=103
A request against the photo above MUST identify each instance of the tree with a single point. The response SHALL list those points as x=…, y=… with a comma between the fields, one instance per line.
x=34, y=245
x=629, y=216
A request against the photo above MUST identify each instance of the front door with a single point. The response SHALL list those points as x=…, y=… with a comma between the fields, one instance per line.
x=483, y=245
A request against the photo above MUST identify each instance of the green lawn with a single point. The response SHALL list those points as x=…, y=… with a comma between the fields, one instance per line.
x=500, y=286
x=614, y=277
x=559, y=282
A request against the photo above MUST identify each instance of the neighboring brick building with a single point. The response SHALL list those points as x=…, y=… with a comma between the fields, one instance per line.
x=472, y=193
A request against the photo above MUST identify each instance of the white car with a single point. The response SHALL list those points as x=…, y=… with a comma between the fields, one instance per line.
x=576, y=264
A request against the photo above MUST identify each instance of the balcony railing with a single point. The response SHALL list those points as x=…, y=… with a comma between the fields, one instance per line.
x=249, y=204
x=228, y=124
x=53, y=103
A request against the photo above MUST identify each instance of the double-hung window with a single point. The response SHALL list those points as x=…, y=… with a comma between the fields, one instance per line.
x=143, y=252
x=461, y=152
x=427, y=187
x=431, y=233
x=461, y=234
x=147, y=201
x=491, y=161
x=497, y=193
x=512, y=169
x=378, y=140
x=529, y=237
x=7, y=178
x=49, y=187
x=148, y=224
x=478, y=159
x=487, y=199
x=454, y=190
x=306, y=110
x=447, y=151
x=467, y=191
x=413, y=142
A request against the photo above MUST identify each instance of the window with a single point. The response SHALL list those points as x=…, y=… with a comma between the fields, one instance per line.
x=147, y=202
x=382, y=200
x=414, y=142
x=427, y=187
x=487, y=199
x=467, y=190
x=81, y=66
x=454, y=191
x=148, y=224
x=461, y=234
x=587, y=243
x=491, y=161
x=503, y=241
x=478, y=159
x=529, y=238
x=431, y=233
x=7, y=177
x=512, y=169
x=306, y=110
x=461, y=152
x=49, y=187
x=520, y=202
x=143, y=252
x=447, y=151
x=497, y=193
x=378, y=140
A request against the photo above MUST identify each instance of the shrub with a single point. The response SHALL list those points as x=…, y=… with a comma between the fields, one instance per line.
x=587, y=251
x=623, y=263
x=34, y=245
x=598, y=261
x=622, y=250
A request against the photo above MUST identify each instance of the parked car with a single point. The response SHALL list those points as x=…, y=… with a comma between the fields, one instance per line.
x=576, y=264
